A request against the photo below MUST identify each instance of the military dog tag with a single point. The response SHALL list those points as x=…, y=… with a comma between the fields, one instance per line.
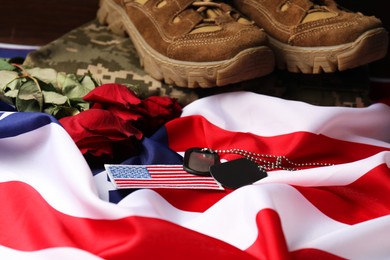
x=237, y=173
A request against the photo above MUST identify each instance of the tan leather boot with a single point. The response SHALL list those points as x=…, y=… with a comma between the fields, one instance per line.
x=317, y=36
x=191, y=43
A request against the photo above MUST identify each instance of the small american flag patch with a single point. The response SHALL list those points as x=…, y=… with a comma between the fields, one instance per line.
x=158, y=176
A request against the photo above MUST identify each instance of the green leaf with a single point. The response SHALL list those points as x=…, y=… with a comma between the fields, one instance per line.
x=47, y=75
x=72, y=88
x=82, y=106
x=12, y=93
x=4, y=65
x=29, y=98
x=89, y=82
x=61, y=111
x=45, y=89
x=46, y=86
x=6, y=78
x=54, y=98
x=95, y=81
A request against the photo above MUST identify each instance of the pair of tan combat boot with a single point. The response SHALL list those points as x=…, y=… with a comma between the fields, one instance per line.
x=206, y=43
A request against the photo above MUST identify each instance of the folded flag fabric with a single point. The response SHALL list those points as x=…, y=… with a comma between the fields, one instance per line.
x=52, y=204
x=16, y=50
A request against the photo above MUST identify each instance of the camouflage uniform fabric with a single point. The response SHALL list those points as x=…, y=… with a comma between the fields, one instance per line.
x=113, y=59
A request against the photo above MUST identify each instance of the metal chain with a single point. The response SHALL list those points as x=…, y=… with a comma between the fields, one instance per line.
x=264, y=160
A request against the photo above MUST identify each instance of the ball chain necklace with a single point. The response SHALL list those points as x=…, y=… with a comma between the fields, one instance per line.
x=264, y=160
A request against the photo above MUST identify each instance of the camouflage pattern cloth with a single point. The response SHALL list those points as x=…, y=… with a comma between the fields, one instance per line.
x=113, y=59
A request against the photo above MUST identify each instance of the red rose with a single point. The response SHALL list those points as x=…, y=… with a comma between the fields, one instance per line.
x=95, y=130
x=116, y=98
x=157, y=111
x=117, y=117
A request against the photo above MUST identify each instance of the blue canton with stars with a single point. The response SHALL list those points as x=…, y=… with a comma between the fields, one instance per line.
x=128, y=172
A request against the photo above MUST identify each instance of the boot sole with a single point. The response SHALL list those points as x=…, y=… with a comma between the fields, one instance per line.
x=248, y=64
x=369, y=47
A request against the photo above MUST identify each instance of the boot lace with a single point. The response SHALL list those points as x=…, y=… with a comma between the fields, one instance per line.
x=213, y=13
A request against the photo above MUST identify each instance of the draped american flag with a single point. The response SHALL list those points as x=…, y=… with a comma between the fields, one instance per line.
x=53, y=206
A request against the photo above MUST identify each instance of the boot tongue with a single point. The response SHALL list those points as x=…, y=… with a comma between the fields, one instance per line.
x=318, y=12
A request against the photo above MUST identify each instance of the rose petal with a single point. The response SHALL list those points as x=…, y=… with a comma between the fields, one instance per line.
x=157, y=111
x=162, y=106
x=113, y=94
x=125, y=114
x=94, y=130
x=106, y=123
